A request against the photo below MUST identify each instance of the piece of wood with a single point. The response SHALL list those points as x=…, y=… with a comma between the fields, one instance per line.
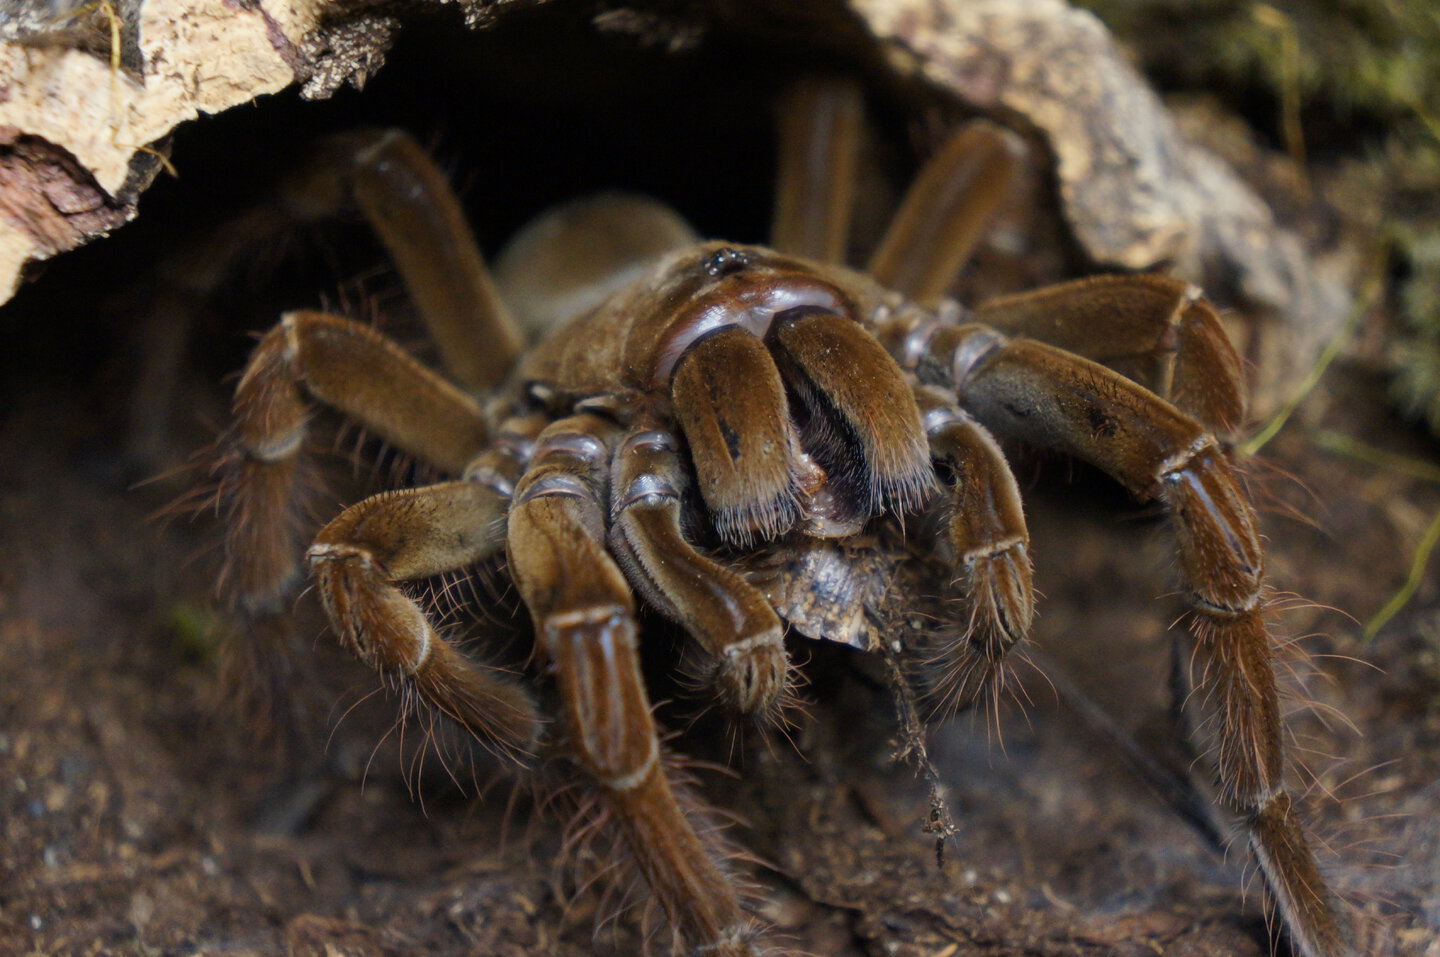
x=75, y=130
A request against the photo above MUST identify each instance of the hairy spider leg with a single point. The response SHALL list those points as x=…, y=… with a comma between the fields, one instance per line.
x=1157, y=330
x=411, y=206
x=410, y=534
x=946, y=210
x=1050, y=398
x=409, y=202
x=739, y=648
x=584, y=616
x=821, y=126
x=359, y=373
x=265, y=485
x=985, y=525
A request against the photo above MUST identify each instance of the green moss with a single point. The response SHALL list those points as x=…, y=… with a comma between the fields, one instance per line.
x=194, y=631
x=1375, y=56
x=1412, y=226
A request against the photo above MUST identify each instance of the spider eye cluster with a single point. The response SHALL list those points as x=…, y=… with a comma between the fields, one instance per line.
x=743, y=298
x=725, y=261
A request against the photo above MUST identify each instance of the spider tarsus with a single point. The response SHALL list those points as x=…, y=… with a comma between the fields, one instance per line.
x=750, y=676
x=991, y=545
x=591, y=851
x=1310, y=907
x=387, y=630
x=262, y=680
x=496, y=710
x=1000, y=598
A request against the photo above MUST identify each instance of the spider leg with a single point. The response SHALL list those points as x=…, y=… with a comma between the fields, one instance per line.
x=741, y=648
x=358, y=372
x=821, y=121
x=405, y=535
x=411, y=205
x=585, y=628
x=408, y=202
x=945, y=211
x=1157, y=330
x=1045, y=396
x=986, y=529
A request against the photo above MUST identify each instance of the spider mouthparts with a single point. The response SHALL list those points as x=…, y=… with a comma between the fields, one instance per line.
x=829, y=515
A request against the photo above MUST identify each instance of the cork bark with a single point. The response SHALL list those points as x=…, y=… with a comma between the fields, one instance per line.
x=83, y=125
x=81, y=134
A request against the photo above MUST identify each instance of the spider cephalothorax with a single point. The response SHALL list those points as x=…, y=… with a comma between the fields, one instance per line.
x=725, y=433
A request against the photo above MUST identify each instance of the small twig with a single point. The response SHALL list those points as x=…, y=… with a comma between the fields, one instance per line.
x=1418, y=561
x=938, y=822
x=1424, y=114
x=112, y=19
x=1284, y=27
x=1346, y=445
x=1342, y=444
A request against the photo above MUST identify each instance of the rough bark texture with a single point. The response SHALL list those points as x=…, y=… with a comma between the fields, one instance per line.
x=77, y=128
x=82, y=126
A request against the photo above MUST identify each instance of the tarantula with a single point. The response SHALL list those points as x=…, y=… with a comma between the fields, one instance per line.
x=715, y=431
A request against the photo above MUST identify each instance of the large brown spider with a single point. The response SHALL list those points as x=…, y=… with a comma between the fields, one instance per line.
x=717, y=431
